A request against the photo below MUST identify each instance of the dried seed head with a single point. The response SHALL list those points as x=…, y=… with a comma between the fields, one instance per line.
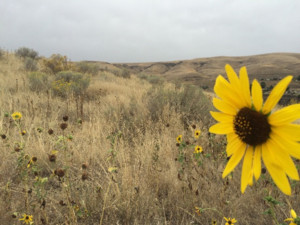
x=263, y=170
x=194, y=126
x=59, y=172
x=63, y=126
x=34, y=159
x=3, y=136
x=84, y=176
x=65, y=118
x=84, y=166
x=50, y=131
x=52, y=158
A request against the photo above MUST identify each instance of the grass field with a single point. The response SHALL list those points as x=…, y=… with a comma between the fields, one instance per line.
x=110, y=156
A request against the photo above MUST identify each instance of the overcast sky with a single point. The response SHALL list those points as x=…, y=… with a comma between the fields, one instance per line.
x=150, y=30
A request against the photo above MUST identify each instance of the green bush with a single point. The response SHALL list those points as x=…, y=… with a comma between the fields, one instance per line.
x=69, y=82
x=189, y=102
x=56, y=63
x=24, y=52
x=30, y=64
x=125, y=73
x=85, y=67
x=38, y=81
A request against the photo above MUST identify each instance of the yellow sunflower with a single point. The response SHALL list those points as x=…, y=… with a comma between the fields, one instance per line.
x=179, y=139
x=16, y=116
x=294, y=220
x=197, y=134
x=27, y=219
x=230, y=221
x=254, y=132
x=198, y=149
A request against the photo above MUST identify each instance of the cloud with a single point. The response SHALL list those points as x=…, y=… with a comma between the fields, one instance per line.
x=150, y=30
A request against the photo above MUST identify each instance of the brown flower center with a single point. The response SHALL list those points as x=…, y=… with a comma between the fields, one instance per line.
x=252, y=127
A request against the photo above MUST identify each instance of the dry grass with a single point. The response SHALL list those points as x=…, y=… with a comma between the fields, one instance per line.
x=148, y=184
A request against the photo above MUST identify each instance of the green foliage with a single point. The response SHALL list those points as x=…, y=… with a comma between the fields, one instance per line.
x=189, y=102
x=30, y=64
x=122, y=73
x=24, y=52
x=85, y=67
x=69, y=82
x=56, y=63
x=38, y=81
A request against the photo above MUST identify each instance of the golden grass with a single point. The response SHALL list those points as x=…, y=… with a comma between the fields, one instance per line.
x=149, y=186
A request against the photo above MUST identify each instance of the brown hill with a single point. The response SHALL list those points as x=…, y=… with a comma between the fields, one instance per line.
x=203, y=71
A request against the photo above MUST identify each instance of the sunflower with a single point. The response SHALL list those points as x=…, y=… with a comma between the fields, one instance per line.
x=230, y=221
x=179, y=139
x=198, y=149
x=27, y=219
x=197, y=134
x=16, y=116
x=295, y=220
x=254, y=132
x=214, y=222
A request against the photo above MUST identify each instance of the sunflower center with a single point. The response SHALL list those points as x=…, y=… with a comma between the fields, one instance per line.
x=252, y=127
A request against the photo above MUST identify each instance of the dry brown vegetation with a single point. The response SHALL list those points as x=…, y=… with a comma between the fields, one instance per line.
x=117, y=161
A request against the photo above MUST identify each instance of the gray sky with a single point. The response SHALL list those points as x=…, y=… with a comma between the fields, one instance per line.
x=150, y=30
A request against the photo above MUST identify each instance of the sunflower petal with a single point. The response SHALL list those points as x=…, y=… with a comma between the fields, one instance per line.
x=245, y=86
x=291, y=147
x=290, y=131
x=246, y=170
x=221, y=128
x=224, y=107
x=257, y=97
x=233, y=161
x=234, y=144
x=222, y=117
x=232, y=77
x=282, y=158
x=276, y=172
x=257, y=162
x=285, y=115
x=276, y=94
x=226, y=92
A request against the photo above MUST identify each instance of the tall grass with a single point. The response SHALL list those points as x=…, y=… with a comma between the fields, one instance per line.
x=120, y=157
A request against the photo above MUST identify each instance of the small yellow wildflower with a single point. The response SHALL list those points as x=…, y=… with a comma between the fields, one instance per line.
x=197, y=134
x=294, y=220
x=112, y=169
x=16, y=116
x=179, y=138
x=27, y=219
x=198, y=149
x=230, y=221
x=197, y=210
x=23, y=132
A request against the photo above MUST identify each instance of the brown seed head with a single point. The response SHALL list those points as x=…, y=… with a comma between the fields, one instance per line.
x=50, y=131
x=3, y=136
x=65, y=118
x=84, y=176
x=84, y=166
x=52, y=158
x=34, y=159
x=59, y=172
x=194, y=126
x=63, y=126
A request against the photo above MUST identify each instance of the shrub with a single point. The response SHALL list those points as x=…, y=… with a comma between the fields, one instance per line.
x=38, y=81
x=69, y=82
x=56, y=63
x=30, y=64
x=85, y=67
x=2, y=52
x=122, y=73
x=24, y=52
x=189, y=102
